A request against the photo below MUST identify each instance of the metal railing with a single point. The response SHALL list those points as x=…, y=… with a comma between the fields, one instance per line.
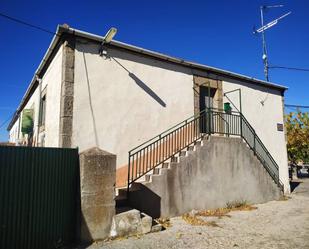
x=164, y=146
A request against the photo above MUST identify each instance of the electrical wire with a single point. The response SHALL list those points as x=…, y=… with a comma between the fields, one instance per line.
x=290, y=68
x=298, y=106
x=27, y=24
x=7, y=120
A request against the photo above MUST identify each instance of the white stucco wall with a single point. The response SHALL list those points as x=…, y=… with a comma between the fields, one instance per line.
x=52, y=79
x=116, y=112
x=14, y=133
x=51, y=82
x=263, y=118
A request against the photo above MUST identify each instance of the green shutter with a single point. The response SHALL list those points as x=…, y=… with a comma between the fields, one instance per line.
x=27, y=121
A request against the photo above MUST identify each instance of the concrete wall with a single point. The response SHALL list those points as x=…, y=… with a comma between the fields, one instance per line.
x=126, y=99
x=222, y=170
x=264, y=119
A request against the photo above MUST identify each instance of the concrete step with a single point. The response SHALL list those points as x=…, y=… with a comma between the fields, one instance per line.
x=156, y=171
x=147, y=178
x=165, y=165
x=182, y=153
x=198, y=143
x=162, y=168
x=190, y=148
x=121, y=192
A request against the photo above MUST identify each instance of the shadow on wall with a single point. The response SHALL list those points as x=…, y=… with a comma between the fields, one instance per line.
x=142, y=85
x=145, y=200
x=90, y=104
x=83, y=236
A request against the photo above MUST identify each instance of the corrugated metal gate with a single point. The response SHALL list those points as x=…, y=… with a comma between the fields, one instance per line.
x=38, y=197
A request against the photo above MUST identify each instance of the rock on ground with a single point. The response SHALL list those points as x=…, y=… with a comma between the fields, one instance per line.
x=276, y=224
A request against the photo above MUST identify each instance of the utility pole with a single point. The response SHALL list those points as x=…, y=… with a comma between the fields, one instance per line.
x=262, y=31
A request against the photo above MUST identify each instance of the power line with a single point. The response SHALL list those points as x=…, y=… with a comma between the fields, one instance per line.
x=290, y=68
x=26, y=24
x=7, y=120
x=298, y=106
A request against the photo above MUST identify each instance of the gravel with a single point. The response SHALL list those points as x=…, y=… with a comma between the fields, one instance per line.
x=276, y=224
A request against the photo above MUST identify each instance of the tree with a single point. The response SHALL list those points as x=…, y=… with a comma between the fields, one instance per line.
x=297, y=127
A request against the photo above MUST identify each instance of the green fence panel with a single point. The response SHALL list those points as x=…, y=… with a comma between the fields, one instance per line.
x=38, y=197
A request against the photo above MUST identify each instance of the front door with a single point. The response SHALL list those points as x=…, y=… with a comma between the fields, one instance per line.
x=206, y=101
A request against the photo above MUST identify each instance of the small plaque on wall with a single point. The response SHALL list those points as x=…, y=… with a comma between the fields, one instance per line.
x=279, y=127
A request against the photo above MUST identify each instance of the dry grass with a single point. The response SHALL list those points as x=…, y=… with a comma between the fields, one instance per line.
x=194, y=219
x=239, y=206
x=165, y=223
x=284, y=198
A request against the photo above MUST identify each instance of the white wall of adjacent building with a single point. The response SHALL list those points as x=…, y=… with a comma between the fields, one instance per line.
x=52, y=80
x=51, y=85
x=14, y=133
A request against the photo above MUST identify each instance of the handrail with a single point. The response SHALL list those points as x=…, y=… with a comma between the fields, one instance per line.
x=167, y=144
x=257, y=137
x=227, y=124
x=193, y=116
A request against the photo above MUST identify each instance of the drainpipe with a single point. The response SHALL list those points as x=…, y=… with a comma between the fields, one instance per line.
x=39, y=109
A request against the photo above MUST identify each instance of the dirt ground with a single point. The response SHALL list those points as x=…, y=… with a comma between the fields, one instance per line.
x=276, y=224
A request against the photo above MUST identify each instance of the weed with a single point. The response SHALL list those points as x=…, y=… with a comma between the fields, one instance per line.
x=196, y=221
x=193, y=218
x=239, y=206
x=284, y=198
x=165, y=222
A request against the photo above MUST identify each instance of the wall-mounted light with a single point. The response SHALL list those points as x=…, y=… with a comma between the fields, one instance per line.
x=107, y=39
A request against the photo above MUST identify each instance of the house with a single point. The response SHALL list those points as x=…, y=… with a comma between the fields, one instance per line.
x=118, y=100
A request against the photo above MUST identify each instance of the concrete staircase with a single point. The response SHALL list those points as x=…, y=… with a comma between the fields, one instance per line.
x=122, y=203
x=213, y=180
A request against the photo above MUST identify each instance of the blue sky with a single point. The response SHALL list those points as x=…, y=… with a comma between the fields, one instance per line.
x=217, y=33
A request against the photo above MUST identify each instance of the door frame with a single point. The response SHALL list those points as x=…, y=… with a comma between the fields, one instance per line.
x=208, y=82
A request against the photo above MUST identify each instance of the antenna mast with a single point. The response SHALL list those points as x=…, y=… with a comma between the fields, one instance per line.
x=262, y=30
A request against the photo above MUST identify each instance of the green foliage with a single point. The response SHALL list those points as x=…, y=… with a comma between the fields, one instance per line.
x=297, y=127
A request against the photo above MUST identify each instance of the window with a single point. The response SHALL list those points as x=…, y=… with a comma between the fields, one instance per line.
x=42, y=111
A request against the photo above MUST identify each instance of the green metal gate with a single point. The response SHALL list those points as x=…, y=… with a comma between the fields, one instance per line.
x=38, y=197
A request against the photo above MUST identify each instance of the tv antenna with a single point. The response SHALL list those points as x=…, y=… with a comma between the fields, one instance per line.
x=262, y=29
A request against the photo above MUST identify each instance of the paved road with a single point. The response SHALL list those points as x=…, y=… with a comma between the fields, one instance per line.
x=276, y=224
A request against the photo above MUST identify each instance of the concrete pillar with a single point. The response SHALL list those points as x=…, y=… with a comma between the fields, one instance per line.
x=97, y=181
